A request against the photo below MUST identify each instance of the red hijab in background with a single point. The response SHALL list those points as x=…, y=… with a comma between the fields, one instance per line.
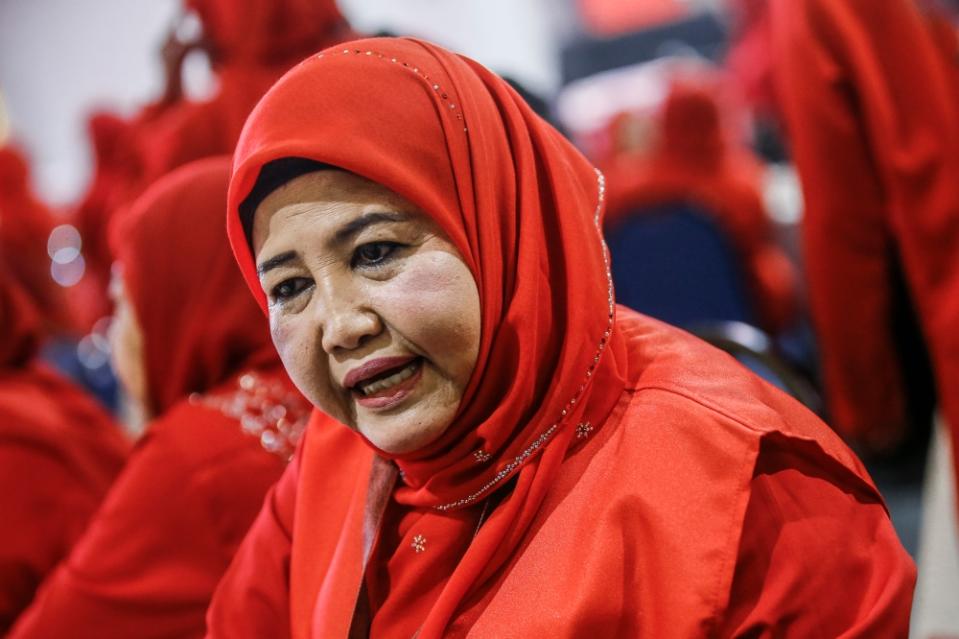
x=116, y=174
x=217, y=329
x=25, y=225
x=467, y=145
x=148, y=562
x=20, y=321
x=59, y=452
x=693, y=159
x=251, y=44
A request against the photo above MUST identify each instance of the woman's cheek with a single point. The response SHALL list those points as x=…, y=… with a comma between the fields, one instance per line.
x=434, y=303
x=308, y=372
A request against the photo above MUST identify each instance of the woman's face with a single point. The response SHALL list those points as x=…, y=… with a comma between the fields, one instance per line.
x=372, y=309
x=126, y=345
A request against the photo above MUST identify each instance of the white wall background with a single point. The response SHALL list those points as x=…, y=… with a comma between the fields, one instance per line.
x=60, y=59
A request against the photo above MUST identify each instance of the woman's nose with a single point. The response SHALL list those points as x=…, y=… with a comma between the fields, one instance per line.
x=346, y=323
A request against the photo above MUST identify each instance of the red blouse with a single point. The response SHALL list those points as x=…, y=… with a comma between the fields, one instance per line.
x=706, y=504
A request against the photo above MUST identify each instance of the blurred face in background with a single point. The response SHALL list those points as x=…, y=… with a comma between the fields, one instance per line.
x=126, y=345
x=372, y=309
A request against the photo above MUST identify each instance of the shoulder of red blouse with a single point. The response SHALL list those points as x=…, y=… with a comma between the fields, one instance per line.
x=668, y=359
x=704, y=486
x=803, y=495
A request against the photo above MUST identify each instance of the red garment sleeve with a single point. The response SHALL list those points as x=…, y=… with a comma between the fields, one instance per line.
x=871, y=133
x=42, y=519
x=147, y=565
x=795, y=548
x=252, y=600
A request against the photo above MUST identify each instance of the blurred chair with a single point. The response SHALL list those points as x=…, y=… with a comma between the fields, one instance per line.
x=703, y=34
x=673, y=262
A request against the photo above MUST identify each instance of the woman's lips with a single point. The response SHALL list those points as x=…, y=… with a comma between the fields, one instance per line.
x=389, y=391
x=373, y=368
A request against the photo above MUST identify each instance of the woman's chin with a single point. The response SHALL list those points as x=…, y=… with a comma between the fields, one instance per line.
x=399, y=436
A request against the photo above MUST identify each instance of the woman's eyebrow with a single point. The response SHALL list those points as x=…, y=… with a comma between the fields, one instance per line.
x=345, y=233
x=276, y=261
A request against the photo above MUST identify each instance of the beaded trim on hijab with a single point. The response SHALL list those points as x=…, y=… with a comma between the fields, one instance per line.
x=267, y=410
x=584, y=429
x=415, y=70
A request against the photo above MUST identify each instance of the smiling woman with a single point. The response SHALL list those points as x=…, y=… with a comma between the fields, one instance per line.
x=373, y=311
x=500, y=450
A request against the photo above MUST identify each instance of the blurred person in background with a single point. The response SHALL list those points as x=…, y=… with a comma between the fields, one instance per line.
x=868, y=94
x=498, y=450
x=193, y=350
x=117, y=178
x=249, y=44
x=693, y=160
x=59, y=450
x=114, y=171
x=25, y=226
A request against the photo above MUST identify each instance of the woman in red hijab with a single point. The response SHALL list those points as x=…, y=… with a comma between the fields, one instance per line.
x=869, y=92
x=501, y=450
x=691, y=161
x=192, y=348
x=59, y=452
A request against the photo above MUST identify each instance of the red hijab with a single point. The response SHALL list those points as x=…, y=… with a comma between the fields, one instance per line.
x=115, y=170
x=267, y=31
x=523, y=207
x=25, y=225
x=200, y=325
x=251, y=44
x=20, y=324
x=691, y=127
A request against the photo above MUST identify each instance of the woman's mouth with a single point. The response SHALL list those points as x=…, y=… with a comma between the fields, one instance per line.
x=388, y=387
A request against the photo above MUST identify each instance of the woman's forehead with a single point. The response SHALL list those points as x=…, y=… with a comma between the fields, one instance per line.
x=323, y=199
x=326, y=185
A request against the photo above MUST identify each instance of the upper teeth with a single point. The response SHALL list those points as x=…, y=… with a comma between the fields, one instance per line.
x=403, y=374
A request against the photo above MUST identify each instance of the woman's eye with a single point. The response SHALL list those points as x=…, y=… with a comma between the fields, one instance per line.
x=288, y=289
x=373, y=254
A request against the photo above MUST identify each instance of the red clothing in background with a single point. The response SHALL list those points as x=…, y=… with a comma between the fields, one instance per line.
x=597, y=478
x=149, y=562
x=227, y=421
x=870, y=100
x=691, y=161
x=116, y=177
x=59, y=452
x=252, y=43
x=25, y=225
